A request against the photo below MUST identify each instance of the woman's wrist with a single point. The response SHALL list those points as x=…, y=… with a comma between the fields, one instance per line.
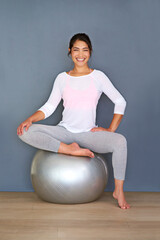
x=37, y=116
x=110, y=129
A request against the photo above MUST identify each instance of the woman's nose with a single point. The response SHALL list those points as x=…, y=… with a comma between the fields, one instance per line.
x=80, y=54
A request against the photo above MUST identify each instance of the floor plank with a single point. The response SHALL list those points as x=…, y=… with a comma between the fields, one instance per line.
x=25, y=216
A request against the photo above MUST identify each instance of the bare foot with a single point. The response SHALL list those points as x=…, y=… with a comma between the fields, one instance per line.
x=75, y=150
x=121, y=200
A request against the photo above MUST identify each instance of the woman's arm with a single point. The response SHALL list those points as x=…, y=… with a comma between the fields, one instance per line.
x=115, y=96
x=37, y=116
x=115, y=122
x=113, y=126
x=47, y=109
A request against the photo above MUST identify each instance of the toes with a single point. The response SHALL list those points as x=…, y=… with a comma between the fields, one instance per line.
x=89, y=153
x=92, y=155
x=126, y=206
x=122, y=207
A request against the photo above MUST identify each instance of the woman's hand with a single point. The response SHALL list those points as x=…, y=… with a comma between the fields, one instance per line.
x=26, y=124
x=98, y=129
x=37, y=116
x=113, y=126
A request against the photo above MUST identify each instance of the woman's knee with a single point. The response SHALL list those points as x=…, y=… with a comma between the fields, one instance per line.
x=121, y=141
x=26, y=134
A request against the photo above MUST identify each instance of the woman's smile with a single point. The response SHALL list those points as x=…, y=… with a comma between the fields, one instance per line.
x=80, y=52
x=80, y=59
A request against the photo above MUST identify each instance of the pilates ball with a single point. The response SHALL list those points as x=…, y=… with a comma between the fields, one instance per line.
x=66, y=179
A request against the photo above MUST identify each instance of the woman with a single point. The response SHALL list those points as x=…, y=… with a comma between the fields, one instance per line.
x=77, y=133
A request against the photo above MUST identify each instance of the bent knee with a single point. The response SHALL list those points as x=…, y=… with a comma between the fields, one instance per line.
x=121, y=141
x=26, y=134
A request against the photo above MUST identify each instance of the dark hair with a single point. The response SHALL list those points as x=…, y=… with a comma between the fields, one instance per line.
x=82, y=37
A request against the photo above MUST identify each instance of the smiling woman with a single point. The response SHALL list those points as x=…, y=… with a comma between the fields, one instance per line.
x=77, y=133
x=80, y=53
x=80, y=49
x=82, y=37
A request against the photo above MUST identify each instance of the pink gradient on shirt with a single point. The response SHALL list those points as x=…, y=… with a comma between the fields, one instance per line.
x=80, y=99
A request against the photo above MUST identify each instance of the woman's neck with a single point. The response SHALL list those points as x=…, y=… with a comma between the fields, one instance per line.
x=80, y=71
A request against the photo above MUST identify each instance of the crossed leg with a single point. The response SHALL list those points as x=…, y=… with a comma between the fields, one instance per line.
x=59, y=139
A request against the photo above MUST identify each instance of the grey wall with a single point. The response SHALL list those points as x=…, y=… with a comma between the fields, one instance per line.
x=34, y=36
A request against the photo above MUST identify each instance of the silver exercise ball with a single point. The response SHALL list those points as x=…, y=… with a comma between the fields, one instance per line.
x=66, y=179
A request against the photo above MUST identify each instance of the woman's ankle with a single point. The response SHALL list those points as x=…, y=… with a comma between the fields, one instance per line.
x=118, y=186
x=63, y=148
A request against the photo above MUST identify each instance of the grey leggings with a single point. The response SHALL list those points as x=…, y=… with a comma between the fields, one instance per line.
x=49, y=137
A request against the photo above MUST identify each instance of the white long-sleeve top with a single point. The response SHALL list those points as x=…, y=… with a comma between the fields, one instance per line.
x=80, y=97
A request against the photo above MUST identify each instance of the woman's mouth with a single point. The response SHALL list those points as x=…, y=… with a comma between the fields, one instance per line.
x=80, y=59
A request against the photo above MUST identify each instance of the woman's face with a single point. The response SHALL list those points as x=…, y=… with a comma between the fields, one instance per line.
x=80, y=53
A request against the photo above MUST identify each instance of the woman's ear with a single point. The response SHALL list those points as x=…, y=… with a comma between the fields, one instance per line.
x=69, y=50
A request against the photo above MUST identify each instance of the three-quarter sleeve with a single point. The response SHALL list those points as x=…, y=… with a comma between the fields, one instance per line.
x=112, y=93
x=54, y=99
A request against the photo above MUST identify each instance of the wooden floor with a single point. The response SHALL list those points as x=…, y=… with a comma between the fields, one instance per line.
x=24, y=216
